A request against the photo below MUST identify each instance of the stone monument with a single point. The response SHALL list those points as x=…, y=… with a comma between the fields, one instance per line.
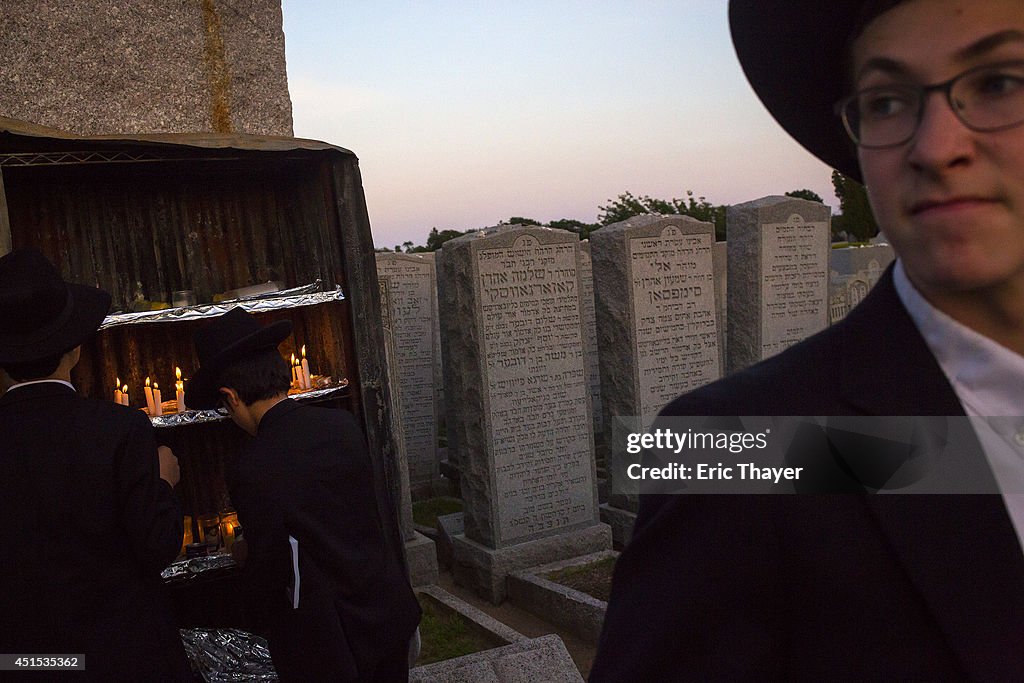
x=146, y=66
x=412, y=303
x=420, y=551
x=518, y=401
x=657, y=325
x=778, y=276
x=854, y=271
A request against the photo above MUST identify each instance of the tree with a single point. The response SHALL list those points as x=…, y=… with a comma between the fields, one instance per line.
x=572, y=225
x=519, y=220
x=855, y=218
x=435, y=239
x=627, y=206
x=806, y=194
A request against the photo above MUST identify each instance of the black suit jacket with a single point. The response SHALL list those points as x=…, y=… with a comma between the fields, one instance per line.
x=308, y=475
x=821, y=587
x=86, y=526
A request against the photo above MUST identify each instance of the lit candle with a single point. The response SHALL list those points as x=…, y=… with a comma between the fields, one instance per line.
x=179, y=388
x=305, y=370
x=124, y=393
x=157, y=404
x=118, y=396
x=149, y=398
x=295, y=376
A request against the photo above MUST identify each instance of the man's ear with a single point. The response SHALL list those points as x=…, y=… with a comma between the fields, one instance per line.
x=230, y=397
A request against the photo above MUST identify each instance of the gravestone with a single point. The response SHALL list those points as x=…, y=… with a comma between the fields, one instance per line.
x=657, y=326
x=518, y=403
x=778, y=276
x=420, y=551
x=438, y=363
x=854, y=271
x=590, y=335
x=720, y=258
x=412, y=305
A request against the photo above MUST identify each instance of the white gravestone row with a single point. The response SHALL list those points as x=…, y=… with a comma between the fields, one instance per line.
x=590, y=334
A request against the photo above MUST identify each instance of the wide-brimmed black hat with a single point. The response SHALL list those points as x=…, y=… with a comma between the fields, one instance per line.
x=794, y=53
x=40, y=314
x=225, y=340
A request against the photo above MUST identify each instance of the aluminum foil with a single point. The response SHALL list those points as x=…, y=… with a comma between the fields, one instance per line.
x=228, y=655
x=183, y=570
x=190, y=417
x=306, y=295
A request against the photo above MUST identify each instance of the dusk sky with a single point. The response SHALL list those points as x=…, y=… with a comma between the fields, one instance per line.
x=464, y=114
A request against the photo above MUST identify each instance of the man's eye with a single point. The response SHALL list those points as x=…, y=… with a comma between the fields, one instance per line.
x=998, y=84
x=881, y=105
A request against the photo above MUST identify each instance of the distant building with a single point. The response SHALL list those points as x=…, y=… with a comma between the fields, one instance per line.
x=140, y=66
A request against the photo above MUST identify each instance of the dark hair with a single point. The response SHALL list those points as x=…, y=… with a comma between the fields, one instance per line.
x=257, y=376
x=35, y=369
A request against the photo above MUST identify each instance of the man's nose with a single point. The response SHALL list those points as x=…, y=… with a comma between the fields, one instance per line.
x=941, y=140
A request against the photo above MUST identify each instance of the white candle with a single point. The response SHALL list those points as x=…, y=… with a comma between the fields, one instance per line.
x=306, y=384
x=118, y=396
x=180, y=390
x=157, y=400
x=295, y=376
x=149, y=398
x=124, y=393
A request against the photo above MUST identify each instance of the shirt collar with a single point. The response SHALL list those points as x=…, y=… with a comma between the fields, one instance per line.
x=40, y=381
x=985, y=374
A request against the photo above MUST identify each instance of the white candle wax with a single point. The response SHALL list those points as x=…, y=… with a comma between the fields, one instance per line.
x=157, y=405
x=305, y=375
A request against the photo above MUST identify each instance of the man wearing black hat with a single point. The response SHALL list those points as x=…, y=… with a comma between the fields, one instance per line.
x=323, y=556
x=88, y=518
x=867, y=587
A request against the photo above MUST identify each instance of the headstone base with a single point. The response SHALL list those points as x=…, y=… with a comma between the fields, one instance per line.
x=421, y=555
x=485, y=570
x=621, y=521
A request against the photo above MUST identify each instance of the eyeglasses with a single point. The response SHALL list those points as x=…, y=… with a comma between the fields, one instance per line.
x=985, y=99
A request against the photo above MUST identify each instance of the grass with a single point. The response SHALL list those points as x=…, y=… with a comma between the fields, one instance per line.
x=426, y=512
x=594, y=579
x=445, y=635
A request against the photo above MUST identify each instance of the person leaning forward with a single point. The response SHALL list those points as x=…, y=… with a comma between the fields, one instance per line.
x=88, y=517
x=322, y=555
x=867, y=587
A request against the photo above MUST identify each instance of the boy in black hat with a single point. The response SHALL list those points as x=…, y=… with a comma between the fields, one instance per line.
x=924, y=101
x=323, y=559
x=88, y=518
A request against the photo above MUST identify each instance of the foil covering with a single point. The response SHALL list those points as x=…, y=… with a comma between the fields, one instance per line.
x=306, y=295
x=190, y=417
x=183, y=570
x=228, y=655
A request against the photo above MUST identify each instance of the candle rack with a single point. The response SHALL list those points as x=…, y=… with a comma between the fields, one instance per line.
x=296, y=297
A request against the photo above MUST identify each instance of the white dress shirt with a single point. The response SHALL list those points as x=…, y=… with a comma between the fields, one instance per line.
x=988, y=378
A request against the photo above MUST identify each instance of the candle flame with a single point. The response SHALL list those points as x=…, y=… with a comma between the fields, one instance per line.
x=177, y=372
x=293, y=359
x=155, y=386
x=303, y=350
x=125, y=390
x=147, y=381
x=117, y=383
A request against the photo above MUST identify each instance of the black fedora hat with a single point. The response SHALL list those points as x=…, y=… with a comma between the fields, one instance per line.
x=794, y=54
x=226, y=339
x=40, y=314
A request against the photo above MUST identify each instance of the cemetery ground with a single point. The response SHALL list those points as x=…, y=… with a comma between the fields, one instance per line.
x=448, y=634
